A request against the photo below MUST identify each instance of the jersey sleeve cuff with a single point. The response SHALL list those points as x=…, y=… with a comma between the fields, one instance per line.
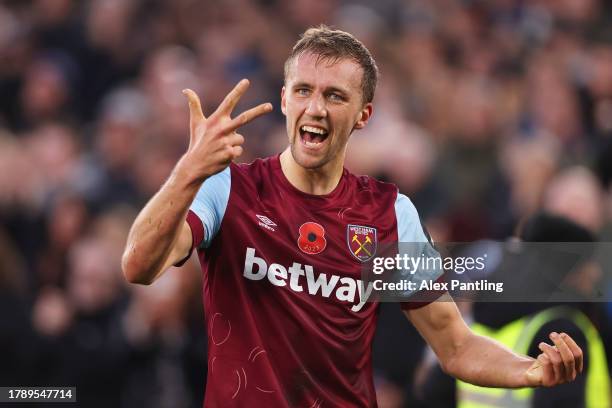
x=197, y=234
x=424, y=297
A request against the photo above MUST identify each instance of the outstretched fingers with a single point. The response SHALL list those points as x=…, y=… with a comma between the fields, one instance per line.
x=216, y=136
x=247, y=116
x=230, y=102
x=196, y=116
x=232, y=98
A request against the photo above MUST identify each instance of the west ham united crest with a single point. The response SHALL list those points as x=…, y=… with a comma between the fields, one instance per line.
x=361, y=241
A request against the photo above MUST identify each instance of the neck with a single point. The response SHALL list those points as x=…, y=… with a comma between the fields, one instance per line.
x=319, y=181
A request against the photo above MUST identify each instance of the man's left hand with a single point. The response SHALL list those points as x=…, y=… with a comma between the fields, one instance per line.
x=556, y=365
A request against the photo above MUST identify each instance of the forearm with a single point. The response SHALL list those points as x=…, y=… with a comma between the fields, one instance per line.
x=160, y=236
x=157, y=227
x=485, y=362
x=482, y=361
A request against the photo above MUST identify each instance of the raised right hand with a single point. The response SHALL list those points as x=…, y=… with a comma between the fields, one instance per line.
x=213, y=141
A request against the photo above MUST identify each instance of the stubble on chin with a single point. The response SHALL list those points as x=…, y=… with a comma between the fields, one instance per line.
x=304, y=160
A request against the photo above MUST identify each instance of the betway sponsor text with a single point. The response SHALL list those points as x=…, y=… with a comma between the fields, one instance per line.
x=344, y=289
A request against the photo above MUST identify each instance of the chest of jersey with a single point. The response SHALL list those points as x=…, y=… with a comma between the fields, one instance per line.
x=312, y=249
x=287, y=313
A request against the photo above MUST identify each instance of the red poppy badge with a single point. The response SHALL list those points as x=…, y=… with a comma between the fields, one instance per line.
x=312, y=238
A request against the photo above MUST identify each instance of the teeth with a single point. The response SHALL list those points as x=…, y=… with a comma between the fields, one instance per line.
x=311, y=144
x=313, y=130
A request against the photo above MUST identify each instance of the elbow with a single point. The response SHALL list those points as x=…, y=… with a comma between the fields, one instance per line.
x=456, y=359
x=453, y=361
x=133, y=270
x=449, y=366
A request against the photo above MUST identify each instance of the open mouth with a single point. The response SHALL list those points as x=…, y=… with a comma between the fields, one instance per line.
x=312, y=136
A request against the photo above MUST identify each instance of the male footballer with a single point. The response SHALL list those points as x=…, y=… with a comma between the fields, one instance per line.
x=282, y=242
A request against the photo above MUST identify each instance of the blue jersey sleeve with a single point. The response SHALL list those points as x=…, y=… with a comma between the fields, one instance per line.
x=414, y=241
x=409, y=228
x=210, y=204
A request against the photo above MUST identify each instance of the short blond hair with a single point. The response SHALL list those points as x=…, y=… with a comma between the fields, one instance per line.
x=334, y=45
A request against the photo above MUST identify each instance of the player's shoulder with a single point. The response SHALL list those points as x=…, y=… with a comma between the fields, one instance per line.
x=252, y=178
x=368, y=183
x=258, y=168
x=387, y=196
x=253, y=165
x=257, y=164
x=371, y=195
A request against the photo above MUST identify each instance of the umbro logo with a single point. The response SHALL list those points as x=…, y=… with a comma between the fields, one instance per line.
x=266, y=222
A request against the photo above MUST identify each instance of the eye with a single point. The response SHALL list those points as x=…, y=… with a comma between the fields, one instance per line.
x=335, y=97
x=302, y=91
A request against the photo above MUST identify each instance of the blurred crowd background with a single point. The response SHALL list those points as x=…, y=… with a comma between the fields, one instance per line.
x=486, y=112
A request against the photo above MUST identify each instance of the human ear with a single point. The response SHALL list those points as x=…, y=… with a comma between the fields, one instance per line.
x=283, y=102
x=364, y=116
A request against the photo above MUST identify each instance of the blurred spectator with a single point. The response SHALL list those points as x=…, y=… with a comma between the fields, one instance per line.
x=576, y=194
x=168, y=368
x=120, y=133
x=85, y=344
x=67, y=220
x=17, y=339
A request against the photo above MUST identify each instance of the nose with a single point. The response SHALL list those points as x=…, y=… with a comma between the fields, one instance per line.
x=316, y=106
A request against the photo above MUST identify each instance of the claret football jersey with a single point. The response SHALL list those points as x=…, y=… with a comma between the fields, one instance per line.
x=287, y=316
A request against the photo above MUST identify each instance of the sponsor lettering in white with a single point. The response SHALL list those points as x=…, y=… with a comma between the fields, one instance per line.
x=296, y=271
x=345, y=289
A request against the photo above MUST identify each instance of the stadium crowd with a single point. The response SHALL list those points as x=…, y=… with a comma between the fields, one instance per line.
x=485, y=113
